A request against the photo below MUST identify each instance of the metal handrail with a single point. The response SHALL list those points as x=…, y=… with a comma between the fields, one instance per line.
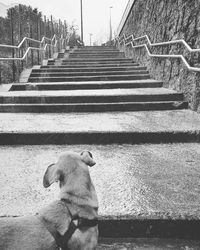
x=53, y=44
x=159, y=44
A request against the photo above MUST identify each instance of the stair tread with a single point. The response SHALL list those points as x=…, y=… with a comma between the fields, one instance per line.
x=91, y=103
x=120, y=122
x=92, y=92
x=157, y=186
x=138, y=71
x=147, y=244
x=86, y=65
x=93, y=82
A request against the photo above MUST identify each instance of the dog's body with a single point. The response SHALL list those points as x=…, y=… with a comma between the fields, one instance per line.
x=78, y=199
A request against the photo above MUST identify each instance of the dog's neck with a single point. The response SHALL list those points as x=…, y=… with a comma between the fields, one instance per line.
x=81, y=210
x=80, y=196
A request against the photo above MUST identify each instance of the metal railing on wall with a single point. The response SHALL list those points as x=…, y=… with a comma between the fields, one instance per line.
x=130, y=40
x=22, y=55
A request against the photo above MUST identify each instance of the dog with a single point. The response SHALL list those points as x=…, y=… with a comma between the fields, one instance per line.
x=67, y=223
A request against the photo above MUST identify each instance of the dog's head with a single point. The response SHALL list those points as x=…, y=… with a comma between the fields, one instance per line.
x=67, y=164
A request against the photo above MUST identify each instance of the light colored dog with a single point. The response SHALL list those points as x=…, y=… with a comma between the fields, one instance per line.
x=68, y=223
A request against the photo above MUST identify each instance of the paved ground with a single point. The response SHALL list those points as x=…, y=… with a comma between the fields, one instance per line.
x=148, y=244
x=137, y=181
x=145, y=121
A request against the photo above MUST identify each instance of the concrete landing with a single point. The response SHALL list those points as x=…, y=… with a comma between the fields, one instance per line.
x=143, y=190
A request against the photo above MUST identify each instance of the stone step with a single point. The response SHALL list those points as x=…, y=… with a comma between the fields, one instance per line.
x=90, y=69
x=101, y=128
x=101, y=73
x=90, y=52
x=96, y=48
x=98, y=60
x=92, y=96
x=90, y=65
x=141, y=192
x=95, y=64
x=97, y=56
x=87, y=85
x=83, y=51
x=91, y=107
x=107, y=58
x=148, y=243
x=90, y=78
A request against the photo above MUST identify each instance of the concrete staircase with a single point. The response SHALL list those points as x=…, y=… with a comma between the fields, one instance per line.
x=144, y=139
x=91, y=80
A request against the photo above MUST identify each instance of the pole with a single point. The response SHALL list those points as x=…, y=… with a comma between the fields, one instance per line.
x=12, y=42
x=81, y=20
x=110, y=37
x=20, y=35
x=90, y=39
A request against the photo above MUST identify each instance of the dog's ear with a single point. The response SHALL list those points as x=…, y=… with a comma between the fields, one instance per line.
x=51, y=175
x=86, y=157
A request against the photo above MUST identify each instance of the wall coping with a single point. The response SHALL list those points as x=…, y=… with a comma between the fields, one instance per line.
x=125, y=16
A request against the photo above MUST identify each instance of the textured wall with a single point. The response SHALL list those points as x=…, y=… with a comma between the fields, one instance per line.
x=165, y=20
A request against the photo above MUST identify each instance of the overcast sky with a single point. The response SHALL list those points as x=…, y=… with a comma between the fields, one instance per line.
x=95, y=14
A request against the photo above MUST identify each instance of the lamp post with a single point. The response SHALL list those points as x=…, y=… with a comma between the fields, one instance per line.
x=81, y=20
x=90, y=39
x=110, y=37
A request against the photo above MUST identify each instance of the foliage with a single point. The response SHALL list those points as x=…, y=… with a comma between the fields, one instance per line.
x=24, y=21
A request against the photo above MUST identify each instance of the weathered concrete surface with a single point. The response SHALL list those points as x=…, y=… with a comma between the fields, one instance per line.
x=132, y=181
x=87, y=85
x=147, y=244
x=165, y=21
x=144, y=121
x=99, y=92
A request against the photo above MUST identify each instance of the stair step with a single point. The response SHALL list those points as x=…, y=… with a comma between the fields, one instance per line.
x=89, y=65
x=87, y=85
x=95, y=51
x=100, y=128
x=90, y=69
x=95, y=63
x=96, y=56
x=92, y=107
x=104, y=73
x=92, y=96
x=90, y=78
x=91, y=60
x=96, y=48
x=160, y=200
x=116, y=52
x=153, y=243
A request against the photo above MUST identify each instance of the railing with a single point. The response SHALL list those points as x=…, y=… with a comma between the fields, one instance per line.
x=131, y=41
x=55, y=44
x=25, y=51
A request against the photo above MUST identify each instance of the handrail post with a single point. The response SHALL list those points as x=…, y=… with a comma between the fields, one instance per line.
x=12, y=42
x=27, y=54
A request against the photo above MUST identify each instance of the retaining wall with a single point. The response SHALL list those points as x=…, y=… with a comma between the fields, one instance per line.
x=166, y=20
